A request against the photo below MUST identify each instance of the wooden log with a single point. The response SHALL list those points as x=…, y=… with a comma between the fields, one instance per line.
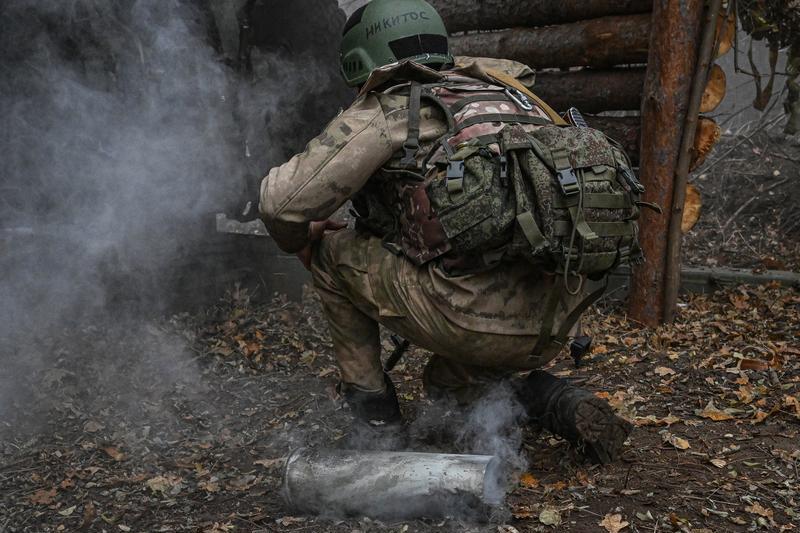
x=463, y=15
x=599, y=43
x=705, y=55
x=671, y=65
x=715, y=90
x=726, y=32
x=625, y=130
x=706, y=137
x=592, y=91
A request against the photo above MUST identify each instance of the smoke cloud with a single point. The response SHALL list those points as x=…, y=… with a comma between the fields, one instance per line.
x=125, y=130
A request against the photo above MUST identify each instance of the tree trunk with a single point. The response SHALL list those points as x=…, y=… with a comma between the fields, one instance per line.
x=592, y=91
x=462, y=15
x=598, y=43
x=625, y=130
x=671, y=66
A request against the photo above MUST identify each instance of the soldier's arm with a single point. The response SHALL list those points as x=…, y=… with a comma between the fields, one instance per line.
x=333, y=167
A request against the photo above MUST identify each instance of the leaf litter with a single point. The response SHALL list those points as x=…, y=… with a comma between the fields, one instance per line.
x=715, y=433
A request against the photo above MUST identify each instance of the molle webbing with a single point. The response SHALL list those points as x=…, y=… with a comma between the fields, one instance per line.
x=506, y=118
x=411, y=146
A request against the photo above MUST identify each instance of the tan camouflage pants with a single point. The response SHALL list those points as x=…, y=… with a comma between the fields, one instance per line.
x=362, y=285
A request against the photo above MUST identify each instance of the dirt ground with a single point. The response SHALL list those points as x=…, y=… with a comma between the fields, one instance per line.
x=196, y=445
x=181, y=424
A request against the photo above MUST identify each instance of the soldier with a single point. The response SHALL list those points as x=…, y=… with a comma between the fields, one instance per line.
x=482, y=315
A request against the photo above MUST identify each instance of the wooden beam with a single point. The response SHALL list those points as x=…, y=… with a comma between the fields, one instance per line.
x=592, y=91
x=706, y=52
x=674, y=47
x=599, y=43
x=463, y=15
x=705, y=280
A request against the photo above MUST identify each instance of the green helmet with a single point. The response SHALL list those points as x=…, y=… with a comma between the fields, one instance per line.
x=386, y=31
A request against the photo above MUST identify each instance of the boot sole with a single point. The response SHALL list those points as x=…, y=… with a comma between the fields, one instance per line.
x=601, y=433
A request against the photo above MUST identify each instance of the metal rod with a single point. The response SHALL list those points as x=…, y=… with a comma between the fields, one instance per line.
x=340, y=483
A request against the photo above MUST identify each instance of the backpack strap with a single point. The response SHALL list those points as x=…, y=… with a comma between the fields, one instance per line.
x=546, y=335
x=510, y=81
x=411, y=146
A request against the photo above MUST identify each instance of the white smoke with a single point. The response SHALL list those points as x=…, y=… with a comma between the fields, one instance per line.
x=124, y=131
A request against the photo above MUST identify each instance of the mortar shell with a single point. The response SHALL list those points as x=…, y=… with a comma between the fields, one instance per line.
x=340, y=483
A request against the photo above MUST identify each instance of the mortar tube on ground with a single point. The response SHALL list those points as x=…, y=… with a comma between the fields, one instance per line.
x=341, y=483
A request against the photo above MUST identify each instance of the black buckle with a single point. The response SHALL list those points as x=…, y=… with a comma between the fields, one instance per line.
x=568, y=181
x=455, y=170
x=578, y=349
x=409, y=159
x=632, y=180
x=503, y=169
x=455, y=177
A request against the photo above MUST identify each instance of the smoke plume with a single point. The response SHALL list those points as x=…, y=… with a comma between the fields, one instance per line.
x=124, y=130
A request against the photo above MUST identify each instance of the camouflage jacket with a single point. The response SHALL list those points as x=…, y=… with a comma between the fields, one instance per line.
x=349, y=161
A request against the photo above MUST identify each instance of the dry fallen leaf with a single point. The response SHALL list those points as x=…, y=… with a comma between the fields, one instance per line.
x=674, y=440
x=719, y=463
x=270, y=464
x=550, y=517
x=753, y=364
x=613, y=523
x=165, y=485
x=68, y=511
x=43, y=496
x=290, y=520
x=653, y=420
x=528, y=481
x=664, y=371
x=792, y=402
x=114, y=453
x=92, y=426
x=760, y=416
x=760, y=510
x=711, y=412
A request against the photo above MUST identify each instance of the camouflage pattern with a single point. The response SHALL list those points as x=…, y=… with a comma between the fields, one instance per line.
x=488, y=319
x=482, y=336
x=599, y=166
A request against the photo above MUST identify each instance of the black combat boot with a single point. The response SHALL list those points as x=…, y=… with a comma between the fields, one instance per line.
x=379, y=423
x=575, y=414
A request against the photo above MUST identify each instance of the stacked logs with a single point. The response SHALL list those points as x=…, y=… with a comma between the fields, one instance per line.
x=589, y=54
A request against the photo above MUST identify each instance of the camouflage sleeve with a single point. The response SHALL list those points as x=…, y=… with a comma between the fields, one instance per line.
x=333, y=167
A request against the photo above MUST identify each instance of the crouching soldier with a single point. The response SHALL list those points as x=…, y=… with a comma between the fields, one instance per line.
x=480, y=214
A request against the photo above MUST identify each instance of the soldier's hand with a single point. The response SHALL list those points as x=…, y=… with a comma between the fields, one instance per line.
x=317, y=230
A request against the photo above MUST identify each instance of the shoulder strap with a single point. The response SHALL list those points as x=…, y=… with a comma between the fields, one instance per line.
x=510, y=81
x=411, y=146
